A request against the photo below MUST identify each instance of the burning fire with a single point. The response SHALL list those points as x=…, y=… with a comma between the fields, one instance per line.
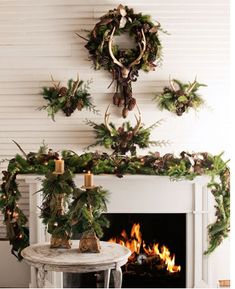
x=136, y=244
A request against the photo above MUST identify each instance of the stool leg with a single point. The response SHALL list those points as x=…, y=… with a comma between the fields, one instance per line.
x=41, y=273
x=106, y=278
x=117, y=276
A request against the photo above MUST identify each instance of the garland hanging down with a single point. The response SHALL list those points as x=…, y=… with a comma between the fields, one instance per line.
x=186, y=166
x=124, y=64
x=68, y=99
x=180, y=98
x=125, y=138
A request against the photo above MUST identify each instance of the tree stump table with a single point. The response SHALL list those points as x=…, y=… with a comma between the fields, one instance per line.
x=111, y=257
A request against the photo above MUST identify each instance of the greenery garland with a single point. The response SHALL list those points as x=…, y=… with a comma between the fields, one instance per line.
x=181, y=98
x=68, y=99
x=124, y=64
x=186, y=166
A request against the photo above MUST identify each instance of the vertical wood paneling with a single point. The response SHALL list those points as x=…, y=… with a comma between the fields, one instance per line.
x=37, y=38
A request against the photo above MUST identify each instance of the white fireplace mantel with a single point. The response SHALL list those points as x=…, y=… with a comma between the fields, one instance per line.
x=148, y=194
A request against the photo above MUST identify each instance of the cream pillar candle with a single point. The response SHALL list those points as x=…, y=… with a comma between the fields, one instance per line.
x=59, y=166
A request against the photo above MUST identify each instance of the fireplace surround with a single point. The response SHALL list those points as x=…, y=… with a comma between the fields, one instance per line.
x=140, y=194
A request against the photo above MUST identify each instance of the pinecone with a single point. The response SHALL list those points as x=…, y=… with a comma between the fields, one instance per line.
x=80, y=104
x=179, y=93
x=180, y=111
x=124, y=112
x=67, y=109
x=115, y=99
x=63, y=91
x=132, y=103
x=121, y=101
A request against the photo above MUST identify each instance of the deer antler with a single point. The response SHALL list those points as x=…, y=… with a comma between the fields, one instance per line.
x=125, y=70
x=75, y=85
x=56, y=85
x=171, y=82
x=191, y=86
x=138, y=122
x=111, y=52
x=142, y=50
x=106, y=121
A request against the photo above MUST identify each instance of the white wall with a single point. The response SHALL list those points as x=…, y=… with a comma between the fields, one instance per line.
x=12, y=272
x=37, y=38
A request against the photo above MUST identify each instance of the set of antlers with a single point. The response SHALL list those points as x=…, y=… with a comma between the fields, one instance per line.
x=111, y=130
x=74, y=88
x=189, y=89
x=125, y=70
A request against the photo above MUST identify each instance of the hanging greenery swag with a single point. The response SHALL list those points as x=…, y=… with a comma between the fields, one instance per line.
x=68, y=99
x=186, y=166
x=179, y=97
x=126, y=138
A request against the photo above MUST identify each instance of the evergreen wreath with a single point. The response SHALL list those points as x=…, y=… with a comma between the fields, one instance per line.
x=125, y=138
x=124, y=64
x=180, y=98
x=185, y=166
x=68, y=99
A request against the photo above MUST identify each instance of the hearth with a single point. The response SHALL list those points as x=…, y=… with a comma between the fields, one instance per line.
x=158, y=245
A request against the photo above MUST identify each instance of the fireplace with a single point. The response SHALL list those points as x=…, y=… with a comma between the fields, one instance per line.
x=158, y=245
x=154, y=195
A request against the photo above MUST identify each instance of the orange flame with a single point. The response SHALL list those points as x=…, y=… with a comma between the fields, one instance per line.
x=135, y=243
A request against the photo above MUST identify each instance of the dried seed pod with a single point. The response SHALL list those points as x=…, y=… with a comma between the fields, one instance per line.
x=180, y=111
x=124, y=112
x=132, y=103
x=115, y=98
x=80, y=104
x=121, y=101
x=63, y=91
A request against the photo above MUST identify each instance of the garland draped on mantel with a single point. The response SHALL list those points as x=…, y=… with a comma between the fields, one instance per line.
x=185, y=166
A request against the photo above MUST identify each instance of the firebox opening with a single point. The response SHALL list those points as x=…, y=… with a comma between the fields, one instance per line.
x=146, y=269
x=158, y=243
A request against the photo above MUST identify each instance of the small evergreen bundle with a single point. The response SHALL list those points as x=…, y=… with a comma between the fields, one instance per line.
x=181, y=99
x=125, y=138
x=68, y=99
